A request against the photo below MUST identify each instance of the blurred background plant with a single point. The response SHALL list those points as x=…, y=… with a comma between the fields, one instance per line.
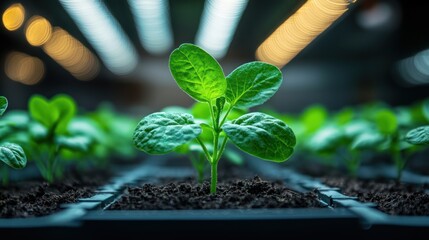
x=56, y=136
x=368, y=133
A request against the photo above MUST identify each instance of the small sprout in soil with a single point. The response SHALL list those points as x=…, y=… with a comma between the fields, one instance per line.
x=199, y=75
x=11, y=154
x=50, y=133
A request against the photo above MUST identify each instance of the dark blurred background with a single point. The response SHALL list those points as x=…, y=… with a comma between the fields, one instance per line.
x=359, y=59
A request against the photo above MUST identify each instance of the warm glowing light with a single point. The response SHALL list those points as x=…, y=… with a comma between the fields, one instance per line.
x=104, y=33
x=72, y=55
x=23, y=68
x=299, y=30
x=153, y=24
x=38, y=31
x=219, y=21
x=13, y=17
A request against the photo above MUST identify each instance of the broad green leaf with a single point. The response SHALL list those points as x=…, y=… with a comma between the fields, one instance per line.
x=13, y=155
x=66, y=108
x=3, y=105
x=368, y=141
x=41, y=111
x=386, y=121
x=75, y=143
x=197, y=73
x=161, y=132
x=252, y=84
x=262, y=136
x=418, y=136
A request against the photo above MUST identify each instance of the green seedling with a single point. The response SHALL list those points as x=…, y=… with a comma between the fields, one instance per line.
x=50, y=133
x=324, y=134
x=387, y=125
x=191, y=149
x=199, y=75
x=387, y=137
x=362, y=137
x=11, y=154
x=418, y=138
x=333, y=142
x=116, y=130
x=201, y=116
x=88, y=138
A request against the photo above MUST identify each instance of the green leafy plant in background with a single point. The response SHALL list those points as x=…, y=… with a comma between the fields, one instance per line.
x=334, y=136
x=106, y=132
x=380, y=129
x=389, y=138
x=50, y=134
x=11, y=154
x=116, y=128
x=199, y=75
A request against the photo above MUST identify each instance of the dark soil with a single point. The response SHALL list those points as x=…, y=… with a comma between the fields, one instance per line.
x=390, y=196
x=231, y=194
x=32, y=198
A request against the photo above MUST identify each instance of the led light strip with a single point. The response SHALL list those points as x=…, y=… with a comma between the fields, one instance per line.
x=104, y=33
x=219, y=21
x=153, y=24
x=299, y=30
x=415, y=69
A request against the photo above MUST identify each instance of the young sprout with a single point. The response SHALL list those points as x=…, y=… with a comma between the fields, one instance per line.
x=193, y=150
x=11, y=154
x=50, y=133
x=418, y=138
x=199, y=75
x=331, y=137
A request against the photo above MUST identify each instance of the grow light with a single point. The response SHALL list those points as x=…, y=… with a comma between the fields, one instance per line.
x=38, y=31
x=415, y=69
x=72, y=55
x=218, y=24
x=24, y=68
x=104, y=33
x=153, y=24
x=13, y=17
x=299, y=30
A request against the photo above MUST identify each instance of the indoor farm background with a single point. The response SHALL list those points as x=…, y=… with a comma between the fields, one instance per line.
x=78, y=78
